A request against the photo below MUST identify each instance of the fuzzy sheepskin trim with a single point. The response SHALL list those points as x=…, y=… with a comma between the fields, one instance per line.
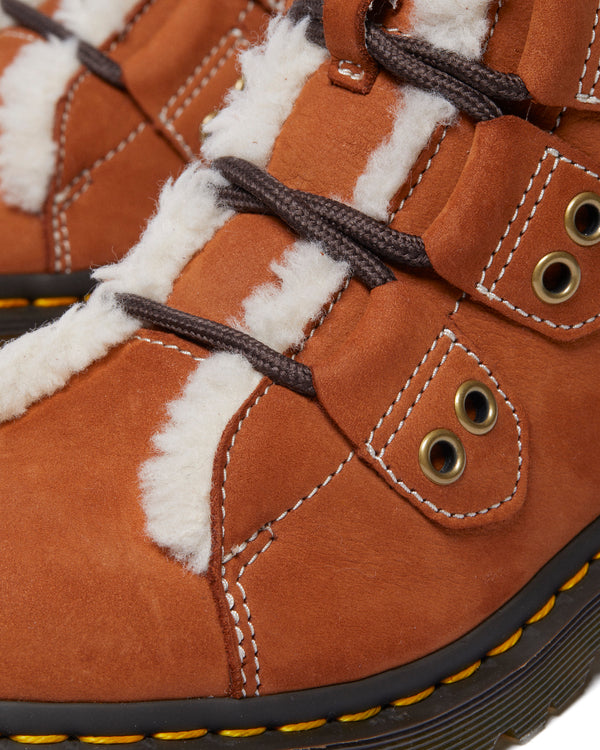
x=42, y=362
x=457, y=25
x=176, y=483
x=6, y=20
x=274, y=73
x=30, y=89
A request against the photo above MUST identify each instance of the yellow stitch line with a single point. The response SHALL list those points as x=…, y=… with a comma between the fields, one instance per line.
x=193, y=735
x=302, y=727
x=9, y=304
x=362, y=716
x=576, y=578
x=411, y=700
x=507, y=645
x=596, y=557
x=462, y=675
x=544, y=611
x=121, y=740
x=55, y=301
x=235, y=733
x=51, y=739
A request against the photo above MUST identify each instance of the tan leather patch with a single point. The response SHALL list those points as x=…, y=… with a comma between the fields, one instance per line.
x=492, y=484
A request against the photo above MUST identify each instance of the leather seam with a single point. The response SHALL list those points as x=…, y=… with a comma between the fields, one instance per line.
x=580, y=96
x=224, y=559
x=379, y=456
x=62, y=258
x=489, y=292
x=421, y=176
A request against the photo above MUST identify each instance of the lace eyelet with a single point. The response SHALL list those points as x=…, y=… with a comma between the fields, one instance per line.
x=556, y=278
x=476, y=407
x=206, y=119
x=442, y=457
x=582, y=219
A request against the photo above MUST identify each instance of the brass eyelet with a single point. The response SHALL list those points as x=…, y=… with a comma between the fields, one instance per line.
x=556, y=278
x=206, y=119
x=476, y=407
x=442, y=457
x=240, y=84
x=582, y=219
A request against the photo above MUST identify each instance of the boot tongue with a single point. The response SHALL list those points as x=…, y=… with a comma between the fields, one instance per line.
x=356, y=148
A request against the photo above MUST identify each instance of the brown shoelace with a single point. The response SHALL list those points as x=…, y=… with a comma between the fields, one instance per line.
x=344, y=233
x=95, y=60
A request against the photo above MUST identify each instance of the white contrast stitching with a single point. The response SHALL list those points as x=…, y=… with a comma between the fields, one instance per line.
x=527, y=222
x=167, y=121
x=590, y=98
x=421, y=176
x=22, y=35
x=60, y=233
x=247, y=609
x=224, y=557
x=489, y=292
x=158, y=342
x=414, y=373
x=378, y=457
x=239, y=548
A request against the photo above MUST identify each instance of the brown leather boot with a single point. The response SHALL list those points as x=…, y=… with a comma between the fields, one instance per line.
x=316, y=465
x=89, y=133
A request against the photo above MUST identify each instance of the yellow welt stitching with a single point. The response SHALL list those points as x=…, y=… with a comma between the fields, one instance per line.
x=596, y=557
x=576, y=578
x=55, y=301
x=39, y=739
x=411, y=700
x=125, y=740
x=544, y=611
x=302, y=727
x=507, y=645
x=9, y=304
x=362, y=716
x=462, y=675
x=180, y=735
x=242, y=732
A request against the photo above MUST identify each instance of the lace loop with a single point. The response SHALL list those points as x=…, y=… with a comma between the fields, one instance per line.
x=279, y=368
x=96, y=61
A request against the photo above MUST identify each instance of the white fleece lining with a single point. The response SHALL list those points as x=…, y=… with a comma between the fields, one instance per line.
x=42, y=362
x=457, y=25
x=6, y=20
x=177, y=481
x=30, y=89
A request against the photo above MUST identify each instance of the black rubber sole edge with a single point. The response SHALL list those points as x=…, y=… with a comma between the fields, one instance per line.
x=15, y=321
x=148, y=718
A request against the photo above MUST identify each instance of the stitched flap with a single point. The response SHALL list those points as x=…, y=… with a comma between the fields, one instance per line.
x=506, y=214
x=492, y=479
x=395, y=382
x=561, y=60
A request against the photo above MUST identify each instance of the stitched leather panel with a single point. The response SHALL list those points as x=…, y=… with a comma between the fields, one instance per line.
x=506, y=214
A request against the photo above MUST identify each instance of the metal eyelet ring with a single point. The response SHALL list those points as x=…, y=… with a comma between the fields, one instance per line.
x=442, y=457
x=208, y=118
x=476, y=407
x=556, y=278
x=240, y=84
x=582, y=219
